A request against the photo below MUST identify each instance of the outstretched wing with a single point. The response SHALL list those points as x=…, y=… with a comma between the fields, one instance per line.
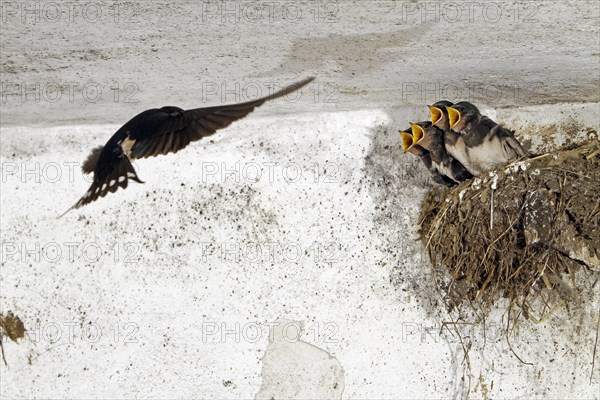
x=171, y=128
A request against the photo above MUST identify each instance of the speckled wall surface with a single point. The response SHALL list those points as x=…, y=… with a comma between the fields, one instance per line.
x=279, y=257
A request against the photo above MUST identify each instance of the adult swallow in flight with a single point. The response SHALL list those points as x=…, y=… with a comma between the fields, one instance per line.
x=411, y=139
x=159, y=131
x=486, y=143
x=441, y=161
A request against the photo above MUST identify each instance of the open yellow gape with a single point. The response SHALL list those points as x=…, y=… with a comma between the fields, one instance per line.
x=407, y=140
x=411, y=139
x=453, y=116
x=417, y=132
x=436, y=114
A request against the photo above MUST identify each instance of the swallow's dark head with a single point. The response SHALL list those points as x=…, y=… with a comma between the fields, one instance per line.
x=439, y=114
x=462, y=114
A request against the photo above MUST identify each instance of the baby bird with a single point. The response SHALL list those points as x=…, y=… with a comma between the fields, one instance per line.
x=439, y=114
x=411, y=139
x=454, y=142
x=486, y=143
x=441, y=160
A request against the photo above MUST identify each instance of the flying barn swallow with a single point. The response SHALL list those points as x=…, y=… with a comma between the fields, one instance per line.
x=411, y=139
x=487, y=143
x=159, y=131
x=441, y=161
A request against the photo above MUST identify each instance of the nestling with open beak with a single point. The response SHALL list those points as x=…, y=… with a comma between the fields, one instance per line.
x=454, y=142
x=487, y=144
x=441, y=161
x=411, y=143
x=439, y=114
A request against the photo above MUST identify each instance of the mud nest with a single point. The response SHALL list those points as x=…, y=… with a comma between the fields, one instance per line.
x=519, y=231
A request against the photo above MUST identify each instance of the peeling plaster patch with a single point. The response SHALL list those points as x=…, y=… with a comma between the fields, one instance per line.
x=296, y=369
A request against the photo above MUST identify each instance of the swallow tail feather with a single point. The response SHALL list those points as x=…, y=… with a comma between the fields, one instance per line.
x=117, y=177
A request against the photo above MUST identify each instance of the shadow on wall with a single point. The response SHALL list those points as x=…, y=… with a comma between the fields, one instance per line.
x=349, y=54
x=398, y=183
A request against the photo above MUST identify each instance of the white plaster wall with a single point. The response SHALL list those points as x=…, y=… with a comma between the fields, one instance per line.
x=177, y=303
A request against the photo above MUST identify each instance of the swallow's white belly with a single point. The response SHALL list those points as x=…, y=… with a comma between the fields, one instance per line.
x=459, y=152
x=488, y=154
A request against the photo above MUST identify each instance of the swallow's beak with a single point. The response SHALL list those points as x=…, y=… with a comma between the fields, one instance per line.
x=407, y=140
x=453, y=116
x=436, y=114
x=417, y=133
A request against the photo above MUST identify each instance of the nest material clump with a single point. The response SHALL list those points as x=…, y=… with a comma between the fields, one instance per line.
x=522, y=228
x=11, y=326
